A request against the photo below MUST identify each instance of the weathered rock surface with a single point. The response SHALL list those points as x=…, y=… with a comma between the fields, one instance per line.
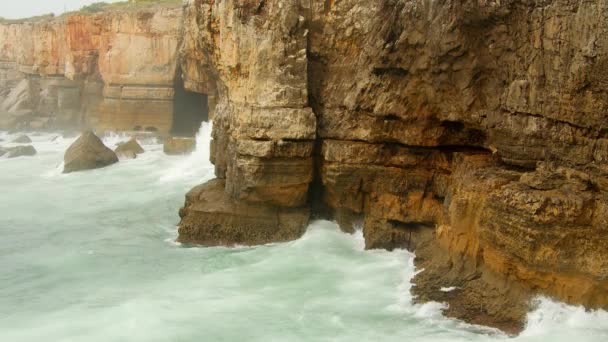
x=109, y=71
x=254, y=55
x=129, y=149
x=22, y=139
x=470, y=131
x=474, y=132
x=88, y=152
x=21, y=151
x=177, y=146
x=212, y=217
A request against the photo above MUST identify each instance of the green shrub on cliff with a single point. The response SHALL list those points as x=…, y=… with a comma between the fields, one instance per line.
x=94, y=7
x=104, y=6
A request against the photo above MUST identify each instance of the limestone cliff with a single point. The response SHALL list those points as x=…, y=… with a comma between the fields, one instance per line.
x=473, y=131
x=113, y=70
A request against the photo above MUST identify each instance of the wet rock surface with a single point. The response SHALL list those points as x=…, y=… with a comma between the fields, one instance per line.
x=20, y=151
x=211, y=217
x=22, y=139
x=129, y=149
x=88, y=152
x=178, y=146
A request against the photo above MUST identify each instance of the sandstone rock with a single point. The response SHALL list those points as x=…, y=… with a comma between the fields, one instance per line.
x=111, y=70
x=424, y=114
x=22, y=139
x=88, y=152
x=211, y=217
x=485, y=120
x=20, y=151
x=129, y=149
x=176, y=146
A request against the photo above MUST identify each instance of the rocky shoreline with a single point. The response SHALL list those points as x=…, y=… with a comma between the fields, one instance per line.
x=473, y=132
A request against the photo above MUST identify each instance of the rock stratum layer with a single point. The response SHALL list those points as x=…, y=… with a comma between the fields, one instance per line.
x=109, y=71
x=472, y=131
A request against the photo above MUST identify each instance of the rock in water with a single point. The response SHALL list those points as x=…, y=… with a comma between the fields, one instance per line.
x=22, y=139
x=20, y=151
x=175, y=146
x=129, y=149
x=211, y=217
x=88, y=152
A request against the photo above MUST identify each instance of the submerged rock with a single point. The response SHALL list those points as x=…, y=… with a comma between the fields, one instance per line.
x=88, y=152
x=176, y=146
x=21, y=151
x=22, y=139
x=129, y=149
x=211, y=217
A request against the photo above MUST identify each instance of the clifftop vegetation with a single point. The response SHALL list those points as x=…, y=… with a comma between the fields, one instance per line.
x=97, y=7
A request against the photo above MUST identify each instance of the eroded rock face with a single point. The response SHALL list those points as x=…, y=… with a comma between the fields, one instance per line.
x=108, y=71
x=211, y=217
x=88, y=152
x=470, y=131
x=264, y=130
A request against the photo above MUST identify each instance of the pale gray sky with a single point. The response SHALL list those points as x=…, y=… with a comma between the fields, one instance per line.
x=15, y=9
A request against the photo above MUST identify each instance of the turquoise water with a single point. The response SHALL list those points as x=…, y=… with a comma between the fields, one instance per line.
x=91, y=256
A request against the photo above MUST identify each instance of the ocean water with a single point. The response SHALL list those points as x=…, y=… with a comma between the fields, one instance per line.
x=91, y=256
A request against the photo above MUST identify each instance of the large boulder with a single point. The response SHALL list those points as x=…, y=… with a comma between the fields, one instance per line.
x=129, y=149
x=211, y=217
x=20, y=151
x=22, y=139
x=88, y=152
x=176, y=146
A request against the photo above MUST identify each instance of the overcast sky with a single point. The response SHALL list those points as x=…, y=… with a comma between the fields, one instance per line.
x=15, y=9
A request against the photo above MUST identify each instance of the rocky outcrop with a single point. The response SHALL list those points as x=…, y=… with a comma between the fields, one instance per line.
x=86, y=153
x=472, y=132
x=22, y=139
x=212, y=217
x=263, y=135
x=20, y=151
x=112, y=70
x=129, y=149
x=177, y=146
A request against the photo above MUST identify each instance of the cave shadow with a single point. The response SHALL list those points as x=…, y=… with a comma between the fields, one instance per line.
x=190, y=109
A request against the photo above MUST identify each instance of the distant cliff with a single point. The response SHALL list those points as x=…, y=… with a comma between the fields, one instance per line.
x=111, y=70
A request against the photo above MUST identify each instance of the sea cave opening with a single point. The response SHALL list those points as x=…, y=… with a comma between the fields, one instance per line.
x=190, y=109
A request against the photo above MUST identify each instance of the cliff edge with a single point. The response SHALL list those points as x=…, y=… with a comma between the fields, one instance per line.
x=473, y=132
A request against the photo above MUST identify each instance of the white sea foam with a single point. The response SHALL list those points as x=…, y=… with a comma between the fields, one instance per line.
x=197, y=162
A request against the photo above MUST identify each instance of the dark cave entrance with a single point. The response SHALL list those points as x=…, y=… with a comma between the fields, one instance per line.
x=189, y=110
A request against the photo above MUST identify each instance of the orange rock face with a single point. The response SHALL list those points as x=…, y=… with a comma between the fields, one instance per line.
x=473, y=132
x=121, y=66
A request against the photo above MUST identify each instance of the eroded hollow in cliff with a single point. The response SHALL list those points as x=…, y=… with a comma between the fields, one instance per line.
x=190, y=109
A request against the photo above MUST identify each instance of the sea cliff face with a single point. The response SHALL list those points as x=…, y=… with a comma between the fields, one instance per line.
x=472, y=132
x=110, y=71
